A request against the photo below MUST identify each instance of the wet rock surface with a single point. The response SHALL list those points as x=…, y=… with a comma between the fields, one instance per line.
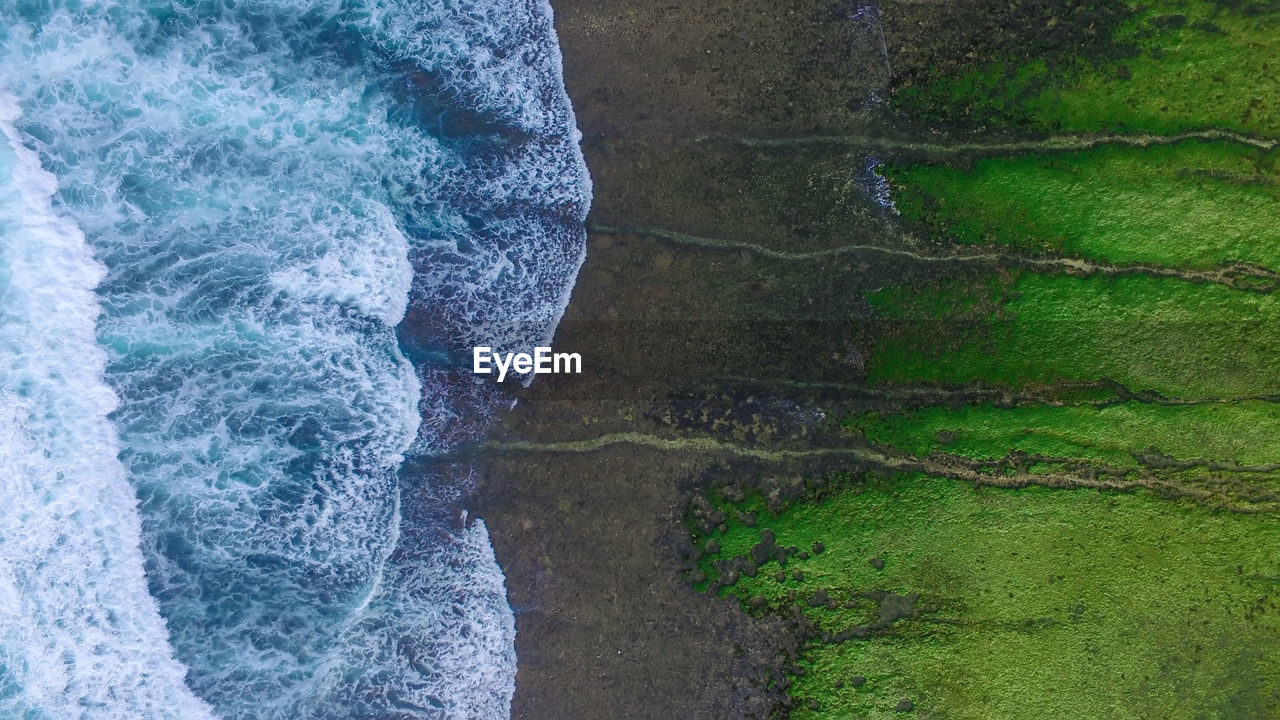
x=597, y=557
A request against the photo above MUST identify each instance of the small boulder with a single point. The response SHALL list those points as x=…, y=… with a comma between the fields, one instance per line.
x=814, y=704
x=857, y=681
x=877, y=563
x=759, y=601
x=713, y=547
x=818, y=548
x=905, y=705
x=819, y=598
x=762, y=552
x=780, y=576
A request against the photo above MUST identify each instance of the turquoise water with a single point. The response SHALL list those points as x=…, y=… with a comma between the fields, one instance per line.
x=215, y=217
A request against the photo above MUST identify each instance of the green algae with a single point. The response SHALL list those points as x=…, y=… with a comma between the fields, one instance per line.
x=1063, y=603
x=1190, y=205
x=1247, y=433
x=1027, y=603
x=1176, y=338
x=1173, y=65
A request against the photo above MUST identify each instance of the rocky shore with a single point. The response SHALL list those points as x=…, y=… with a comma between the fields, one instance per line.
x=740, y=225
x=593, y=544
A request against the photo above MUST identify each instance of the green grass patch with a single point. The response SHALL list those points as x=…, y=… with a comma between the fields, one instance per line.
x=1176, y=338
x=1247, y=433
x=1029, y=603
x=1176, y=65
x=1194, y=205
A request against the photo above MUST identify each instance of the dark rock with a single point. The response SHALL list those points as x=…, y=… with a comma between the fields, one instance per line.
x=729, y=578
x=759, y=601
x=857, y=631
x=802, y=555
x=722, y=528
x=1170, y=22
x=839, y=684
x=820, y=598
x=767, y=536
x=762, y=552
x=697, y=576
x=857, y=681
x=905, y=705
x=713, y=547
x=818, y=548
x=798, y=575
x=748, y=519
x=814, y=704
x=877, y=563
x=791, y=550
x=780, y=576
x=748, y=569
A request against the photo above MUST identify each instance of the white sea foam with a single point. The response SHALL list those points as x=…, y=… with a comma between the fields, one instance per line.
x=463, y=670
x=509, y=282
x=877, y=185
x=80, y=637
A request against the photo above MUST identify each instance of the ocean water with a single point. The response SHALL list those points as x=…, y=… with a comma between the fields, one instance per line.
x=246, y=248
